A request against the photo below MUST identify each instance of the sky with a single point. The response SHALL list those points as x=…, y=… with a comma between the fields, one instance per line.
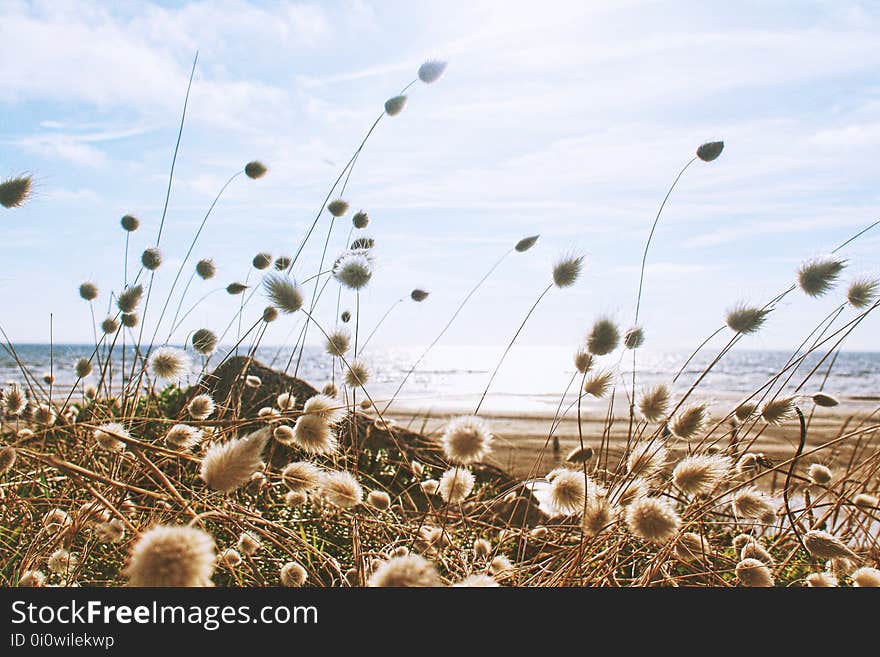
x=564, y=119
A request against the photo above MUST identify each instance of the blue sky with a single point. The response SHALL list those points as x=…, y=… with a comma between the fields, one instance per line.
x=568, y=119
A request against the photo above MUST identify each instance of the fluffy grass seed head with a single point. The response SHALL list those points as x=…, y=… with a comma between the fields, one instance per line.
x=270, y=314
x=283, y=292
x=379, y=500
x=634, y=337
x=477, y=580
x=777, y=411
x=862, y=292
x=687, y=423
x=603, y=337
x=14, y=401
x=710, y=150
x=262, y=261
x=255, y=169
x=130, y=223
x=701, y=473
x=130, y=320
x=32, y=579
x=646, y=459
x=325, y=407
x=201, y=407
x=866, y=577
x=44, y=415
x=206, y=268
x=583, y=361
x=204, y=341
x=231, y=557
x=7, y=458
x=357, y=374
x=284, y=435
x=654, y=403
x=183, y=436
x=824, y=400
x=338, y=342
x=652, y=520
x=109, y=326
x=360, y=220
x=395, y=105
x=419, y=295
x=526, y=243
x=746, y=319
x=228, y=466
x=249, y=543
x=568, y=491
x=151, y=258
x=566, y=270
x=236, y=288
x=128, y=299
x=353, y=270
x=580, y=455
x=821, y=580
x=62, y=562
x=292, y=574
x=283, y=262
x=467, y=439
x=341, y=489
x=108, y=436
x=295, y=498
x=865, y=501
x=172, y=556
x=15, y=191
x=432, y=70
x=819, y=275
x=88, y=291
x=313, y=434
x=330, y=389
x=430, y=486
x=820, y=474
x=301, y=476
x=337, y=207
x=691, y=547
x=823, y=545
x=754, y=573
x=286, y=402
x=169, y=363
x=599, y=384
x=751, y=503
x=408, y=571
x=456, y=484
x=482, y=548
x=598, y=513
x=56, y=520
x=754, y=550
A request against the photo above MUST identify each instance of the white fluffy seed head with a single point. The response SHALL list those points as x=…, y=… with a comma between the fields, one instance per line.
x=603, y=337
x=646, y=459
x=824, y=400
x=62, y=562
x=32, y=579
x=128, y=299
x=249, y=543
x=430, y=486
x=746, y=319
x=750, y=503
x=169, y=363
x=56, y=520
x=338, y=342
x=754, y=573
x=823, y=545
x=821, y=580
x=172, y=556
x=357, y=374
x=566, y=270
x=598, y=514
x=183, y=436
x=201, y=407
x=83, y=368
x=652, y=520
x=294, y=498
x=325, y=407
x=689, y=422
x=151, y=258
x=866, y=577
x=313, y=434
x=862, y=292
x=456, y=484
x=599, y=384
x=395, y=105
x=409, y=571
x=340, y=488
x=108, y=436
x=819, y=275
x=204, y=341
x=568, y=490
x=228, y=466
x=467, y=439
x=701, y=473
x=301, y=476
x=754, y=550
x=654, y=403
x=283, y=293
x=231, y=557
x=293, y=574
x=478, y=580
x=88, y=291
x=691, y=547
x=820, y=474
x=206, y=268
x=777, y=411
x=432, y=70
x=353, y=269
x=583, y=361
x=379, y=500
x=7, y=459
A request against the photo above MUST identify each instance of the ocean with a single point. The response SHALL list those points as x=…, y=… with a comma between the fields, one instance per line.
x=530, y=380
